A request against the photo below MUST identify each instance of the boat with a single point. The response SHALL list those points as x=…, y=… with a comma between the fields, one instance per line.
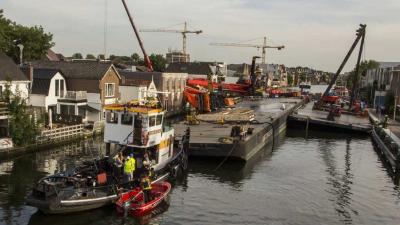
x=133, y=203
x=135, y=127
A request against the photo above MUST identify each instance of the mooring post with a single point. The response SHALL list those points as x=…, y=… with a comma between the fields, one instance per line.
x=308, y=121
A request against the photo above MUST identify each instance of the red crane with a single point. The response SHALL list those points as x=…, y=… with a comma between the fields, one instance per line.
x=146, y=57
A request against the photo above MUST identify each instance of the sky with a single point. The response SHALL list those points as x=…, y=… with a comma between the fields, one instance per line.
x=316, y=33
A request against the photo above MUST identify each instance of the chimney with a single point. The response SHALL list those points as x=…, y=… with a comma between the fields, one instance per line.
x=30, y=72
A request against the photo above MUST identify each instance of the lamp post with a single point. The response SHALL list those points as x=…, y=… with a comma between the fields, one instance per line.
x=21, y=49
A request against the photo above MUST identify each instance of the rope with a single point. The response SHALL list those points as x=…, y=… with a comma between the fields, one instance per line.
x=235, y=142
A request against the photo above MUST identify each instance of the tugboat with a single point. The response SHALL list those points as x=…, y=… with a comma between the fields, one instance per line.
x=136, y=128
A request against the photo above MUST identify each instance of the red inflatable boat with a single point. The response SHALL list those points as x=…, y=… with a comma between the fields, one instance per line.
x=133, y=201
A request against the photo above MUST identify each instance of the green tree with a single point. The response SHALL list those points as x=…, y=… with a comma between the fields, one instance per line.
x=36, y=42
x=290, y=79
x=23, y=129
x=101, y=57
x=389, y=103
x=158, y=62
x=90, y=56
x=77, y=56
x=136, y=59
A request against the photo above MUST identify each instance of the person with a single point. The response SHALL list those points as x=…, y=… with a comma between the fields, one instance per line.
x=129, y=167
x=118, y=161
x=146, y=162
x=145, y=184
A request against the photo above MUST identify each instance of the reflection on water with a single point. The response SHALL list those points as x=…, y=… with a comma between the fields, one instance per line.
x=325, y=179
x=340, y=181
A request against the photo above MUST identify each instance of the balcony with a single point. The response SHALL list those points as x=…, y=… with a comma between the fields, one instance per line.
x=75, y=95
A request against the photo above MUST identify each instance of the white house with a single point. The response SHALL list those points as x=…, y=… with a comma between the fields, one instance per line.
x=10, y=72
x=48, y=85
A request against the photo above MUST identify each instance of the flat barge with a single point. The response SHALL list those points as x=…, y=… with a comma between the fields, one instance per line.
x=245, y=130
x=308, y=118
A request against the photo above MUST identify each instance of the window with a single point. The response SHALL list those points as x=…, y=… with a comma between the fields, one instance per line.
x=152, y=121
x=126, y=119
x=159, y=119
x=110, y=89
x=62, y=88
x=57, y=87
x=81, y=111
x=112, y=117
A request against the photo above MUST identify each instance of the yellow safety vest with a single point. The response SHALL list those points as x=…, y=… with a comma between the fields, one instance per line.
x=146, y=184
x=127, y=166
x=133, y=164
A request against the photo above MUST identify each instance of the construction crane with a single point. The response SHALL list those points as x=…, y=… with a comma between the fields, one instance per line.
x=146, y=57
x=262, y=46
x=183, y=32
x=360, y=35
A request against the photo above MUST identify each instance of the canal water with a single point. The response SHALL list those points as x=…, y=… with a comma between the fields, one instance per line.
x=325, y=179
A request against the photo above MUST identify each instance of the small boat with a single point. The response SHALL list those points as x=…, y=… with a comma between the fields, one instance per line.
x=133, y=201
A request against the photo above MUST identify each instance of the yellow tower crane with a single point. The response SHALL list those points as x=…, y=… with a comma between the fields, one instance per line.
x=262, y=46
x=183, y=32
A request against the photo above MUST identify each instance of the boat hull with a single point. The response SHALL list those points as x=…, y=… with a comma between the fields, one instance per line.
x=160, y=193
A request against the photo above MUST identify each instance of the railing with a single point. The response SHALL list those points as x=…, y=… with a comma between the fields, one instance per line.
x=67, y=119
x=62, y=133
x=3, y=109
x=75, y=95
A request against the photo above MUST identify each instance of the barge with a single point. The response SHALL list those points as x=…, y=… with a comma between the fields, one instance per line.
x=242, y=132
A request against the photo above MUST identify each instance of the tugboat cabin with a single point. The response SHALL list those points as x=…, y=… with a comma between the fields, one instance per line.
x=137, y=128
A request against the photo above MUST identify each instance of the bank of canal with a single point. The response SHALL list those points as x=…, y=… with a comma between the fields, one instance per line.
x=326, y=179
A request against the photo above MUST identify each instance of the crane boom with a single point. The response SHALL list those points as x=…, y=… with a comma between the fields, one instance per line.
x=183, y=32
x=146, y=57
x=262, y=46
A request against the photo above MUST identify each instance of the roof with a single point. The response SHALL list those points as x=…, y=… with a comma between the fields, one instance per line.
x=199, y=68
x=52, y=56
x=94, y=70
x=41, y=80
x=10, y=70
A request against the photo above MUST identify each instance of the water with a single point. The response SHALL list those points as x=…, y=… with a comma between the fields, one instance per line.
x=326, y=179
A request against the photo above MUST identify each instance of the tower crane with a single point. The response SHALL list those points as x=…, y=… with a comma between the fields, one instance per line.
x=262, y=46
x=183, y=32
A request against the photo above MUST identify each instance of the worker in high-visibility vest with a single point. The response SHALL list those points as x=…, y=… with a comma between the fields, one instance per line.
x=145, y=184
x=129, y=167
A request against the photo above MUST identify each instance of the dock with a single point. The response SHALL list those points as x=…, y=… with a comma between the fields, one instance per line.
x=261, y=121
x=317, y=120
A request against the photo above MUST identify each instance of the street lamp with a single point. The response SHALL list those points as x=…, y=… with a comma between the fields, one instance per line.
x=21, y=48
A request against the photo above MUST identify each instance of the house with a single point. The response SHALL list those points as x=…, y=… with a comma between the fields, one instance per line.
x=91, y=85
x=171, y=86
x=382, y=75
x=47, y=87
x=132, y=88
x=198, y=69
x=11, y=72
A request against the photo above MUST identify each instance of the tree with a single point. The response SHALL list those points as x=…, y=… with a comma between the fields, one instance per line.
x=36, y=42
x=77, y=56
x=290, y=79
x=389, y=103
x=136, y=59
x=90, y=56
x=23, y=129
x=158, y=62
x=101, y=57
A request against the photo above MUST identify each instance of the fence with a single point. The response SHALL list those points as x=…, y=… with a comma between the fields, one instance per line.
x=59, y=134
x=67, y=119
